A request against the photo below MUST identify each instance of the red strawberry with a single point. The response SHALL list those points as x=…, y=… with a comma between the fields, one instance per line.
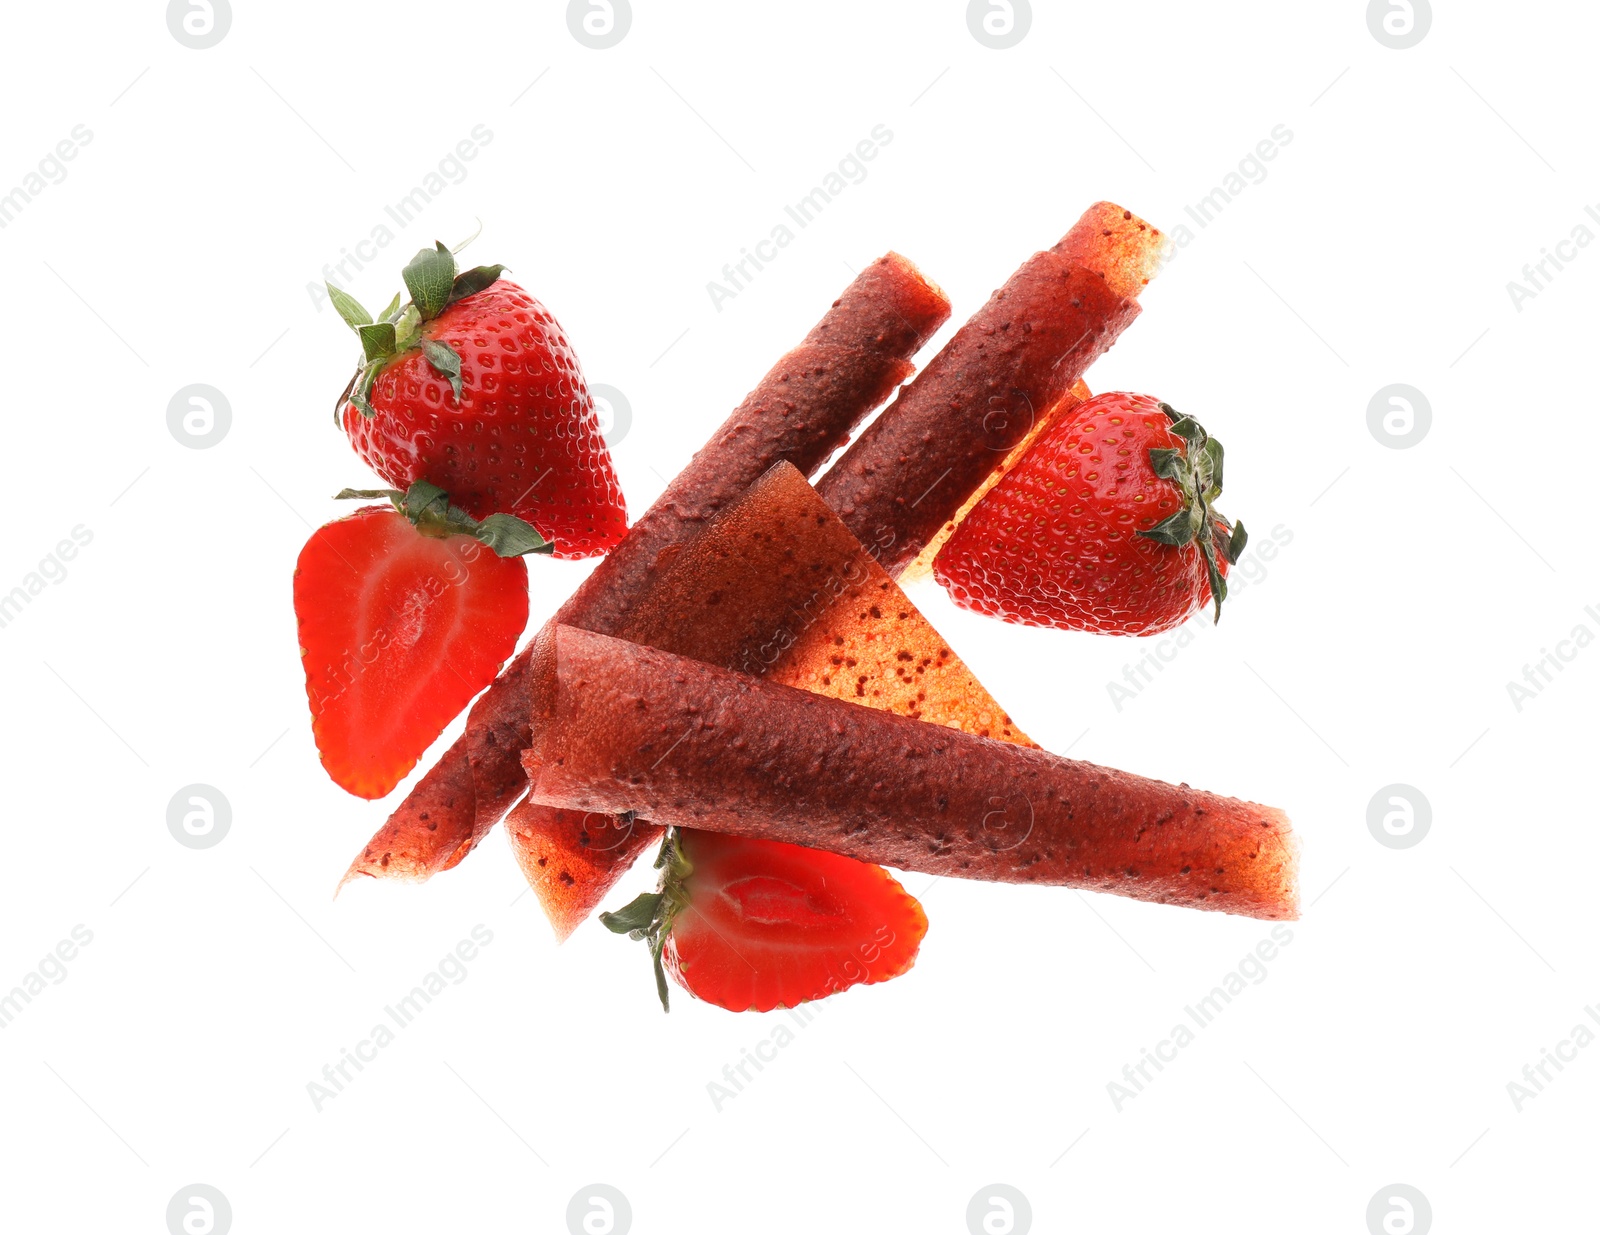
x=473, y=386
x=1105, y=525
x=753, y=925
x=405, y=612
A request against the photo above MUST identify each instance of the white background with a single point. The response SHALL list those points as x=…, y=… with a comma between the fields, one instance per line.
x=1375, y=648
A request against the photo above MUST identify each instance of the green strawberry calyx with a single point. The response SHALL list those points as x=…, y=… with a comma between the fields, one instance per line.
x=429, y=509
x=1196, y=469
x=650, y=915
x=435, y=284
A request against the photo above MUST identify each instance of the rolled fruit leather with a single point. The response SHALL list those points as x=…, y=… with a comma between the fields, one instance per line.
x=622, y=727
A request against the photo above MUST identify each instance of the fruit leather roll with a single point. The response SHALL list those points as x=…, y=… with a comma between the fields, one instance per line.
x=802, y=411
x=775, y=585
x=915, y=466
x=622, y=727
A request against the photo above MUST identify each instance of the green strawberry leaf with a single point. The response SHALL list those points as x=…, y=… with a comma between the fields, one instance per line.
x=407, y=328
x=367, y=495
x=390, y=310
x=650, y=917
x=1176, y=530
x=1219, y=585
x=510, y=536
x=471, y=282
x=446, y=363
x=348, y=307
x=1190, y=431
x=423, y=497
x=429, y=277
x=1166, y=462
x=656, y=950
x=430, y=511
x=1196, y=472
x=377, y=341
x=1212, y=465
x=637, y=915
x=1210, y=547
x=1236, y=543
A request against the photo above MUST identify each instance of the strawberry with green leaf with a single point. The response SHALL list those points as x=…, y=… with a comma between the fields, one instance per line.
x=472, y=386
x=753, y=925
x=1107, y=524
x=405, y=611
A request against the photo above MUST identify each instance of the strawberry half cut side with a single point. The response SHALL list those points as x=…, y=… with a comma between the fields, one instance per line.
x=405, y=612
x=754, y=925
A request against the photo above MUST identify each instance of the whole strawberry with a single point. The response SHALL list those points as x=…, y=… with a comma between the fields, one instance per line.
x=472, y=386
x=1105, y=525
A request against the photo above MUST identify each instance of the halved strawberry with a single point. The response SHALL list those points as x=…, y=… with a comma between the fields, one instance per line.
x=753, y=925
x=405, y=611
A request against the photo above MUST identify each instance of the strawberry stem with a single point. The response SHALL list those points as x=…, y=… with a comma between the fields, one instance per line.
x=650, y=915
x=435, y=284
x=428, y=508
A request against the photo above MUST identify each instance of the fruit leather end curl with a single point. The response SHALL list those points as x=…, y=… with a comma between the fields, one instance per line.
x=621, y=727
x=1016, y=358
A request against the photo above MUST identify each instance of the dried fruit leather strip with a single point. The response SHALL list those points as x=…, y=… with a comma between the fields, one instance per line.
x=619, y=727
